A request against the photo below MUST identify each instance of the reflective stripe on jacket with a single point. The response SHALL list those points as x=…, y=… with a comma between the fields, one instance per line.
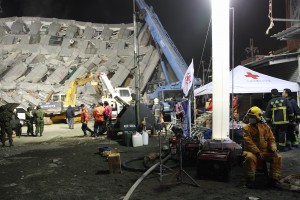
x=279, y=111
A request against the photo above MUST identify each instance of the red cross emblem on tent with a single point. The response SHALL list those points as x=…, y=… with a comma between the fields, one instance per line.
x=188, y=78
x=249, y=74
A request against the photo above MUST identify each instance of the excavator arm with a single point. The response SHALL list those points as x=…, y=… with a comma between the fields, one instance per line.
x=70, y=99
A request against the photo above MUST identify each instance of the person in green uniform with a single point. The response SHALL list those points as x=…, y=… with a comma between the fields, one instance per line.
x=39, y=115
x=5, y=124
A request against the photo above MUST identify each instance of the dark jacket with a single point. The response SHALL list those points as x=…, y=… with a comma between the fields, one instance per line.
x=296, y=109
x=29, y=116
x=70, y=112
x=172, y=104
x=279, y=111
x=6, y=118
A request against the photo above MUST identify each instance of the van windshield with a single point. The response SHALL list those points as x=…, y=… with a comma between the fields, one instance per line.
x=124, y=93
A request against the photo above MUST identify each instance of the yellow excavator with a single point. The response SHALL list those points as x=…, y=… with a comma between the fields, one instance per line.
x=55, y=109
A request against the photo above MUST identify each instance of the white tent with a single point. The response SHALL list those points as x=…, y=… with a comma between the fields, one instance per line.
x=248, y=81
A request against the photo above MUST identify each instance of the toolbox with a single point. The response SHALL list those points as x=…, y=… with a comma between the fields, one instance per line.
x=214, y=164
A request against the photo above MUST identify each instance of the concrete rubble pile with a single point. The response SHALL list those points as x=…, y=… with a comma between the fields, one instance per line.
x=41, y=55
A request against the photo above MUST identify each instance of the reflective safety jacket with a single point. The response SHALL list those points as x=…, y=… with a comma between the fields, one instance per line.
x=279, y=111
x=259, y=138
x=98, y=114
x=85, y=116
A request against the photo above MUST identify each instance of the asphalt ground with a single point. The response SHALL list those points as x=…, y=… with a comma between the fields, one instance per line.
x=62, y=164
x=50, y=132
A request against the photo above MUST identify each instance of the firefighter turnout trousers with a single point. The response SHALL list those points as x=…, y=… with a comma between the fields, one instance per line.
x=280, y=131
x=250, y=163
x=291, y=135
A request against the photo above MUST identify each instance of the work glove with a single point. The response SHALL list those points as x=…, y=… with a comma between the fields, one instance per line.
x=274, y=151
x=260, y=156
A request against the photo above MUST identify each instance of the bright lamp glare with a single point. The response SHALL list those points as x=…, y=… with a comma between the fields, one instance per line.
x=221, y=62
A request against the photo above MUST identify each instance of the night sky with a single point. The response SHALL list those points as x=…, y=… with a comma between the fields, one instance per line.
x=186, y=21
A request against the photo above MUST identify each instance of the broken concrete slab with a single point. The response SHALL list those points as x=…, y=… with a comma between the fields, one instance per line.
x=98, y=48
x=15, y=72
x=37, y=73
x=58, y=75
x=8, y=85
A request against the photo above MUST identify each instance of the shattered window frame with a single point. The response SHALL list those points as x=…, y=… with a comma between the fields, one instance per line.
x=44, y=29
x=34, y=39
x=55, y=40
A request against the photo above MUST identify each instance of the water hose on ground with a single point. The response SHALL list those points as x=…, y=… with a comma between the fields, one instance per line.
x=148, y=161
x=127, y=167
x=130, y=191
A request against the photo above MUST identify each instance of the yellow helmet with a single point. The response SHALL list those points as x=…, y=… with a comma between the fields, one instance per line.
x=255, y=111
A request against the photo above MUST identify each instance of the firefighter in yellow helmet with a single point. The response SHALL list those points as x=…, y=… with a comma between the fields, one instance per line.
x=260, y=146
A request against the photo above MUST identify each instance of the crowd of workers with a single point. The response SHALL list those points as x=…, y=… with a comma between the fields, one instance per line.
x=8, y=123
x=102, y=115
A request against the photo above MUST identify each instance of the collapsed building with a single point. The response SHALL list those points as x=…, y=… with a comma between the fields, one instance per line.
x=42, y=55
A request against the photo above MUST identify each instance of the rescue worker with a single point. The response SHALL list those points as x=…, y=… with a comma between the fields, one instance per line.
x=85, y=116
x=29, y=121
x=157, y=111
x=209, y=104
x=235, y=106
x=98, y=115
x=107, y=114
x=133, y=99
x=6, y=128
x=16, y=124
x=279, y=113
x=39, y=115
x=70, y=114
x=172, y=104
x=260, y=146
x=292, y=130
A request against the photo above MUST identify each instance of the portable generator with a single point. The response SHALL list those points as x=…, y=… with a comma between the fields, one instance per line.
x=190, y=152
x=215, y=164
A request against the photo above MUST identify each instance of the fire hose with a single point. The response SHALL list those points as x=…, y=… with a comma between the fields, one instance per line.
x=147, y=162
x=130, y=191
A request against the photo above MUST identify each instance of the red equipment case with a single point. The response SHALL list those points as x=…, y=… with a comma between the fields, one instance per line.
x=214, y=164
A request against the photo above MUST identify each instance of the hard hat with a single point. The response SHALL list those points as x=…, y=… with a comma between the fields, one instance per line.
x=255, y=111
x=156, y=101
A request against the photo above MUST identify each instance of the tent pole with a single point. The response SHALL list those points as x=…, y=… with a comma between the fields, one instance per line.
x=298, y=98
